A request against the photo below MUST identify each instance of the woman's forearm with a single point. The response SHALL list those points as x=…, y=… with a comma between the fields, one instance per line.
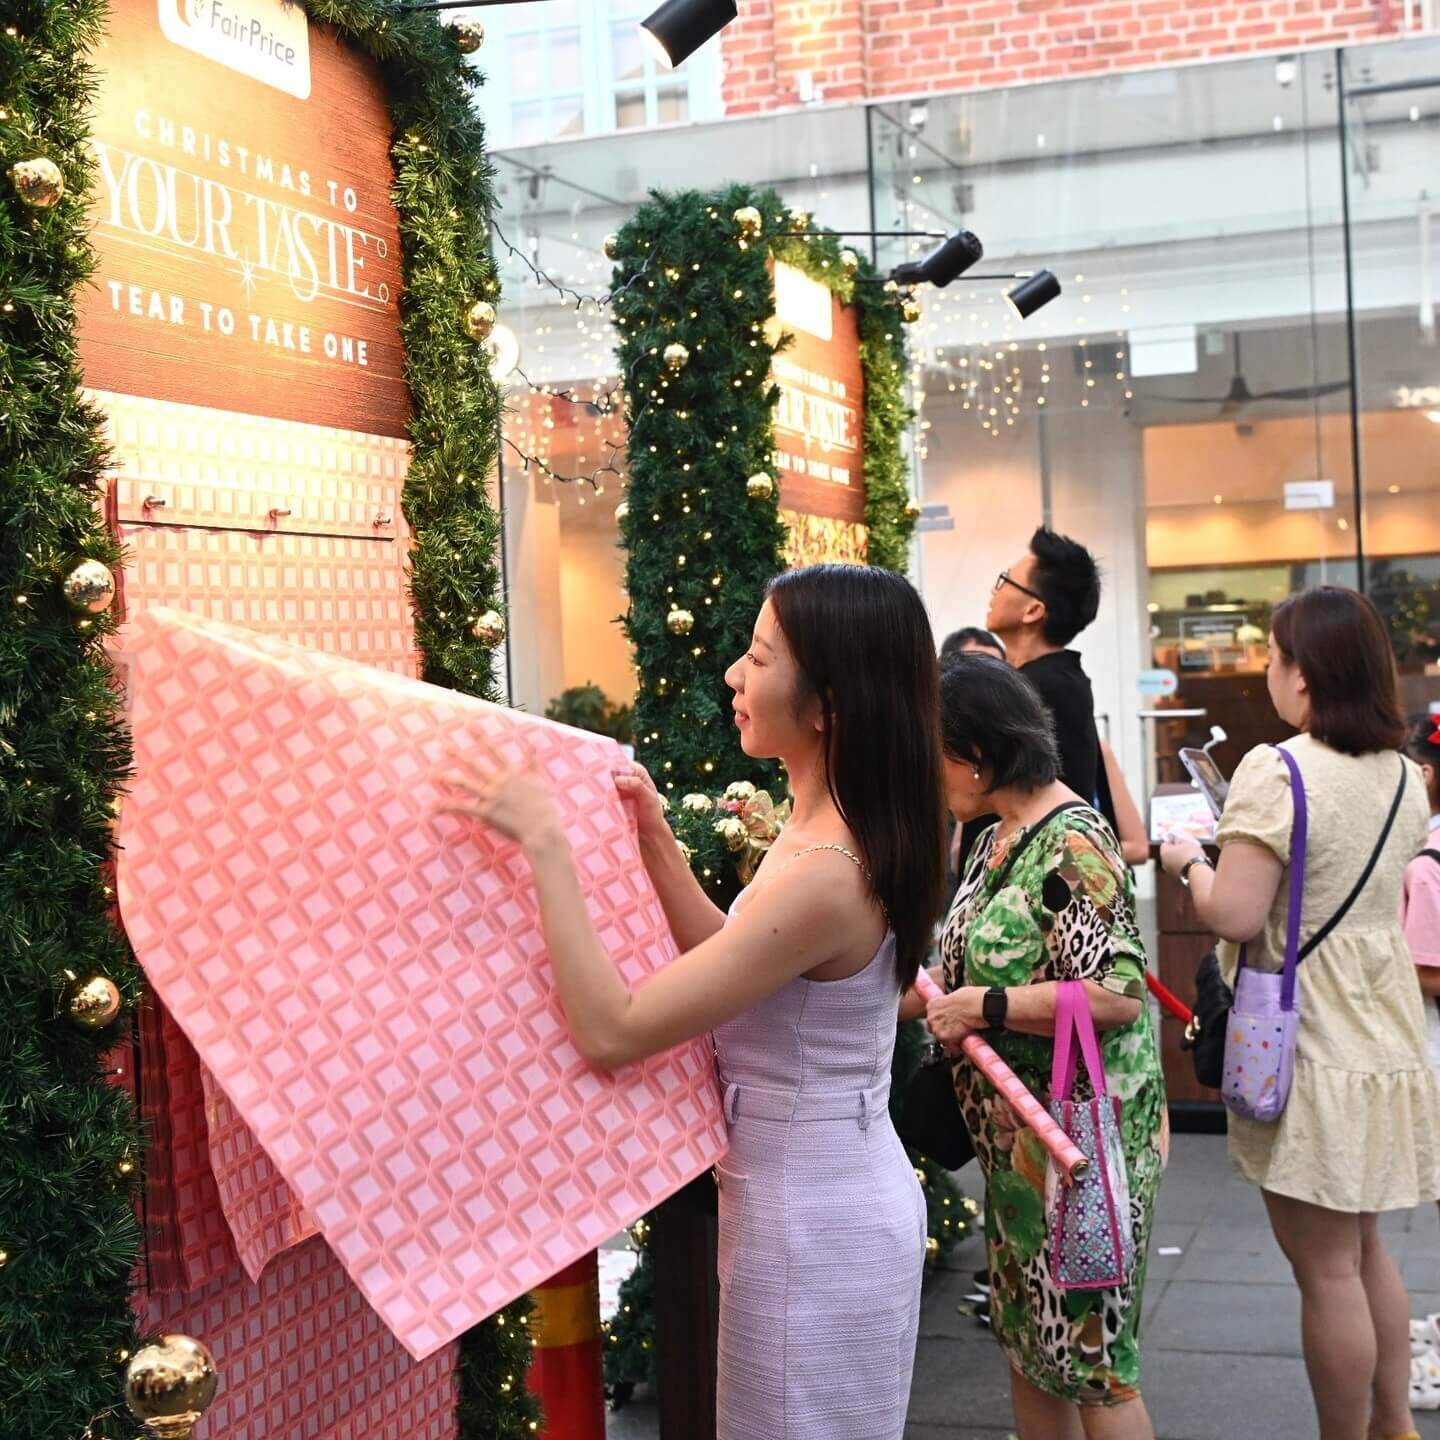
x=595, y=998
x=1429, y=978
x=693, y=917
x=1030, y=1009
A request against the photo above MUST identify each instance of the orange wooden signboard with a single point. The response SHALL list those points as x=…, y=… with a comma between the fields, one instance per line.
x=249, y=250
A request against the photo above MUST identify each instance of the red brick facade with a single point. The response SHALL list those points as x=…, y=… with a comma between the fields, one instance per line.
x=787, y=52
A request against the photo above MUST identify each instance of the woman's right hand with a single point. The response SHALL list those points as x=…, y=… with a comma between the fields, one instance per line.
x=634, y=783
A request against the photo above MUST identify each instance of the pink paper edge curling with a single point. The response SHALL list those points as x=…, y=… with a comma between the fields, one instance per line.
x=252, y=860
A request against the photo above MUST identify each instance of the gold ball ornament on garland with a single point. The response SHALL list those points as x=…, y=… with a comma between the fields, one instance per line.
x=932, y=1249
x=760, y=486
x=468, y=35
x=38, y=182
x=94, y=1003
x=480, y=320
x=489, y=628
x=640, y=1231
x=170, y=1385
x=799, y=221
x=621, y=511
x=850, y=260
x=912, y=509
x=749, y=222
x=89, y=587
x=611, y=246
x=921, y=1177
x=910, y=310
x=679, y=622
x=677, y=357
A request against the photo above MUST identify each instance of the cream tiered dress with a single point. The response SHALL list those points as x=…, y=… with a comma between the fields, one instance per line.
x=1359, y=1133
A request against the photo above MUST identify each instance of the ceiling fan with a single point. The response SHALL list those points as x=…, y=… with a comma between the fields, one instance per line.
x=1239, y=395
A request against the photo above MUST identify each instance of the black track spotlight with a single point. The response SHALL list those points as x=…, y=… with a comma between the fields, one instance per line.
x=949, y=259
x=1031, y=293
x=680, y=27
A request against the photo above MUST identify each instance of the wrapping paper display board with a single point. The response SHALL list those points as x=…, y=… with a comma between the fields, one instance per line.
x=367, y=982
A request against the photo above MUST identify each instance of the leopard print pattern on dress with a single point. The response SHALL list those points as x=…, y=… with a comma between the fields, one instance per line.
x=1067, y=912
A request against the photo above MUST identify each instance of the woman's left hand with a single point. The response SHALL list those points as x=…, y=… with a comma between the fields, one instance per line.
x=514, y=799
x=1174, y=854
x=954, y=1016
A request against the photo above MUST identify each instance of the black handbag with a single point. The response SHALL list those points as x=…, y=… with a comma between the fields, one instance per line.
x=929, y=1118
x=1205, y=1034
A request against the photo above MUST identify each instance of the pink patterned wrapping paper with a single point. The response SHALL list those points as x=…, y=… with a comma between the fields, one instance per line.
x=367, y=982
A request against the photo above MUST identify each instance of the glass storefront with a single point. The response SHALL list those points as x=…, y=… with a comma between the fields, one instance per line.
x=1237, y=396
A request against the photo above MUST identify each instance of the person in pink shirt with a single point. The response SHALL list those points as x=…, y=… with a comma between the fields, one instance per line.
x=1420, y=899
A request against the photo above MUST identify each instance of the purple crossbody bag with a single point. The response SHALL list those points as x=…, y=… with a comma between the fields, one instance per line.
x=1264, y=1021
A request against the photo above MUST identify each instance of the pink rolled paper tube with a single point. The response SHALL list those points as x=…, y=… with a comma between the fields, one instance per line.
x=1066, y=1154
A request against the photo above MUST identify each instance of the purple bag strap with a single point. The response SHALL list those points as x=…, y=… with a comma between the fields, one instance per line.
x=1073, y=1019
x=1299, y=832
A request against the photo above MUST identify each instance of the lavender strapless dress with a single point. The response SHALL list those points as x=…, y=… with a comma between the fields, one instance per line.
x=822, y=1222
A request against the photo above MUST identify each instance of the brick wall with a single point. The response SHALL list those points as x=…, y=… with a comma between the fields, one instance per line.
x=786, y=52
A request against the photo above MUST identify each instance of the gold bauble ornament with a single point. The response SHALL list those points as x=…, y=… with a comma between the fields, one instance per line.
x=679, y=622
x=850, y=260
x=912, y=509
x=611, y=246
x=4, y=1258
x=490, y=627
x=119, y=1355
x=621, y=511
x=932, y=1249
x=125, y=1167
x=921, y=1177
x=760, y=486
x=93, y=1004
x=677, y=357
x=910, y=310
x=90, y=587
x=799, y=220
x=38, y=182
x=640, y=1231
x=749, y=222
x=467, y=35
x=169, y=1385
x=480, y=320
x=697, y=802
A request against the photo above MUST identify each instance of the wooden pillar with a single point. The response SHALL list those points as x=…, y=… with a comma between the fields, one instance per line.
x=687, y=1311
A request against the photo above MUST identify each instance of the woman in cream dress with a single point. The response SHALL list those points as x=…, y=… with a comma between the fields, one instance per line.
x=1358, y=1135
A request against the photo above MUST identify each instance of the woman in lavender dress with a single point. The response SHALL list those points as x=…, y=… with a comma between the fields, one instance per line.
x=822, y=1223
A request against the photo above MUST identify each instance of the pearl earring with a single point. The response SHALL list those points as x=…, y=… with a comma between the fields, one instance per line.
x=976, y=772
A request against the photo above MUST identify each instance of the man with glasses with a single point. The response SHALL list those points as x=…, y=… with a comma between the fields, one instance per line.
x=1037, y=607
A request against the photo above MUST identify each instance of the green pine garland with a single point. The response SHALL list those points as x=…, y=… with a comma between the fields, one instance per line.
x=68, y=1138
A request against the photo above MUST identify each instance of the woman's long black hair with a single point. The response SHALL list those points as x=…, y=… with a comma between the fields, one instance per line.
x=863, y=644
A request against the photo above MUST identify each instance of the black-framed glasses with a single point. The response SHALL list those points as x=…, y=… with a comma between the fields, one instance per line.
x=1003, y=579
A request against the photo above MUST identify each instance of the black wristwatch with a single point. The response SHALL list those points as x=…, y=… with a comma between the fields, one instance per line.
x=994, y=1006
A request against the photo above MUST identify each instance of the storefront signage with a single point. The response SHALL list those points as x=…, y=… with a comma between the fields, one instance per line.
x=1158, y=682
x=249, y=252
x=819, y=421
x=1417, y=397
x=1309, y=494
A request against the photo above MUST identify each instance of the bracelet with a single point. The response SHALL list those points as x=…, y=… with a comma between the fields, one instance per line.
x=1184, y=876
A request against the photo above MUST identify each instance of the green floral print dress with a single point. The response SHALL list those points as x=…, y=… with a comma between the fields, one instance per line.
x=1065, y=912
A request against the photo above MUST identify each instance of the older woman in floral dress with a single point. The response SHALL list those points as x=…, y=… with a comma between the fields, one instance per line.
x=1046, y=897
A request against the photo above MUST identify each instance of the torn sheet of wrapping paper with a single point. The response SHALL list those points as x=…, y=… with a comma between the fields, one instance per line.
x=368, y=982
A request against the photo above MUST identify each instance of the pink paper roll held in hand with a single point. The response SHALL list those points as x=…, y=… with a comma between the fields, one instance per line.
x=1068, y=1158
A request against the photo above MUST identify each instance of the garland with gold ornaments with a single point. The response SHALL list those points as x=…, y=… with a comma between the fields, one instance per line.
x=70, y=1145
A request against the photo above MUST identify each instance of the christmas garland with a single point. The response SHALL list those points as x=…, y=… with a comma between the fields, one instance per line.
x=69, y=1140
x=700, y=523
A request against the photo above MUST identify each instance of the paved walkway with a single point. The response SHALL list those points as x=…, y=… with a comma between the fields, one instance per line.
x=1222, y=1329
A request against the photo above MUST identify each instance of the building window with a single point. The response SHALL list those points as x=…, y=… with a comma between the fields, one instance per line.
x=559, y=69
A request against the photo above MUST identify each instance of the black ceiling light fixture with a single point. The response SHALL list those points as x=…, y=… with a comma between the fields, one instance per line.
x=946, y=262
x=680, y=27
x=1032, y=292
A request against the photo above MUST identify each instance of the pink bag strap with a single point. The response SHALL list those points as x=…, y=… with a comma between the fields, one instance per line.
x=1073, y=1018
x=1062, y=1059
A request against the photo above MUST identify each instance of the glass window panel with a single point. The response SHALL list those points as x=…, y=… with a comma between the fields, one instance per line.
x=630, y=110
x=672, y=107
x=567, y=116
x=565, y=60
x=527, y=122
x=627, y=52
x=524, y=59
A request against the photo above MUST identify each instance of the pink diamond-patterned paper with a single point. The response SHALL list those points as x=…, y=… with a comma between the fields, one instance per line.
x=367, y=981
